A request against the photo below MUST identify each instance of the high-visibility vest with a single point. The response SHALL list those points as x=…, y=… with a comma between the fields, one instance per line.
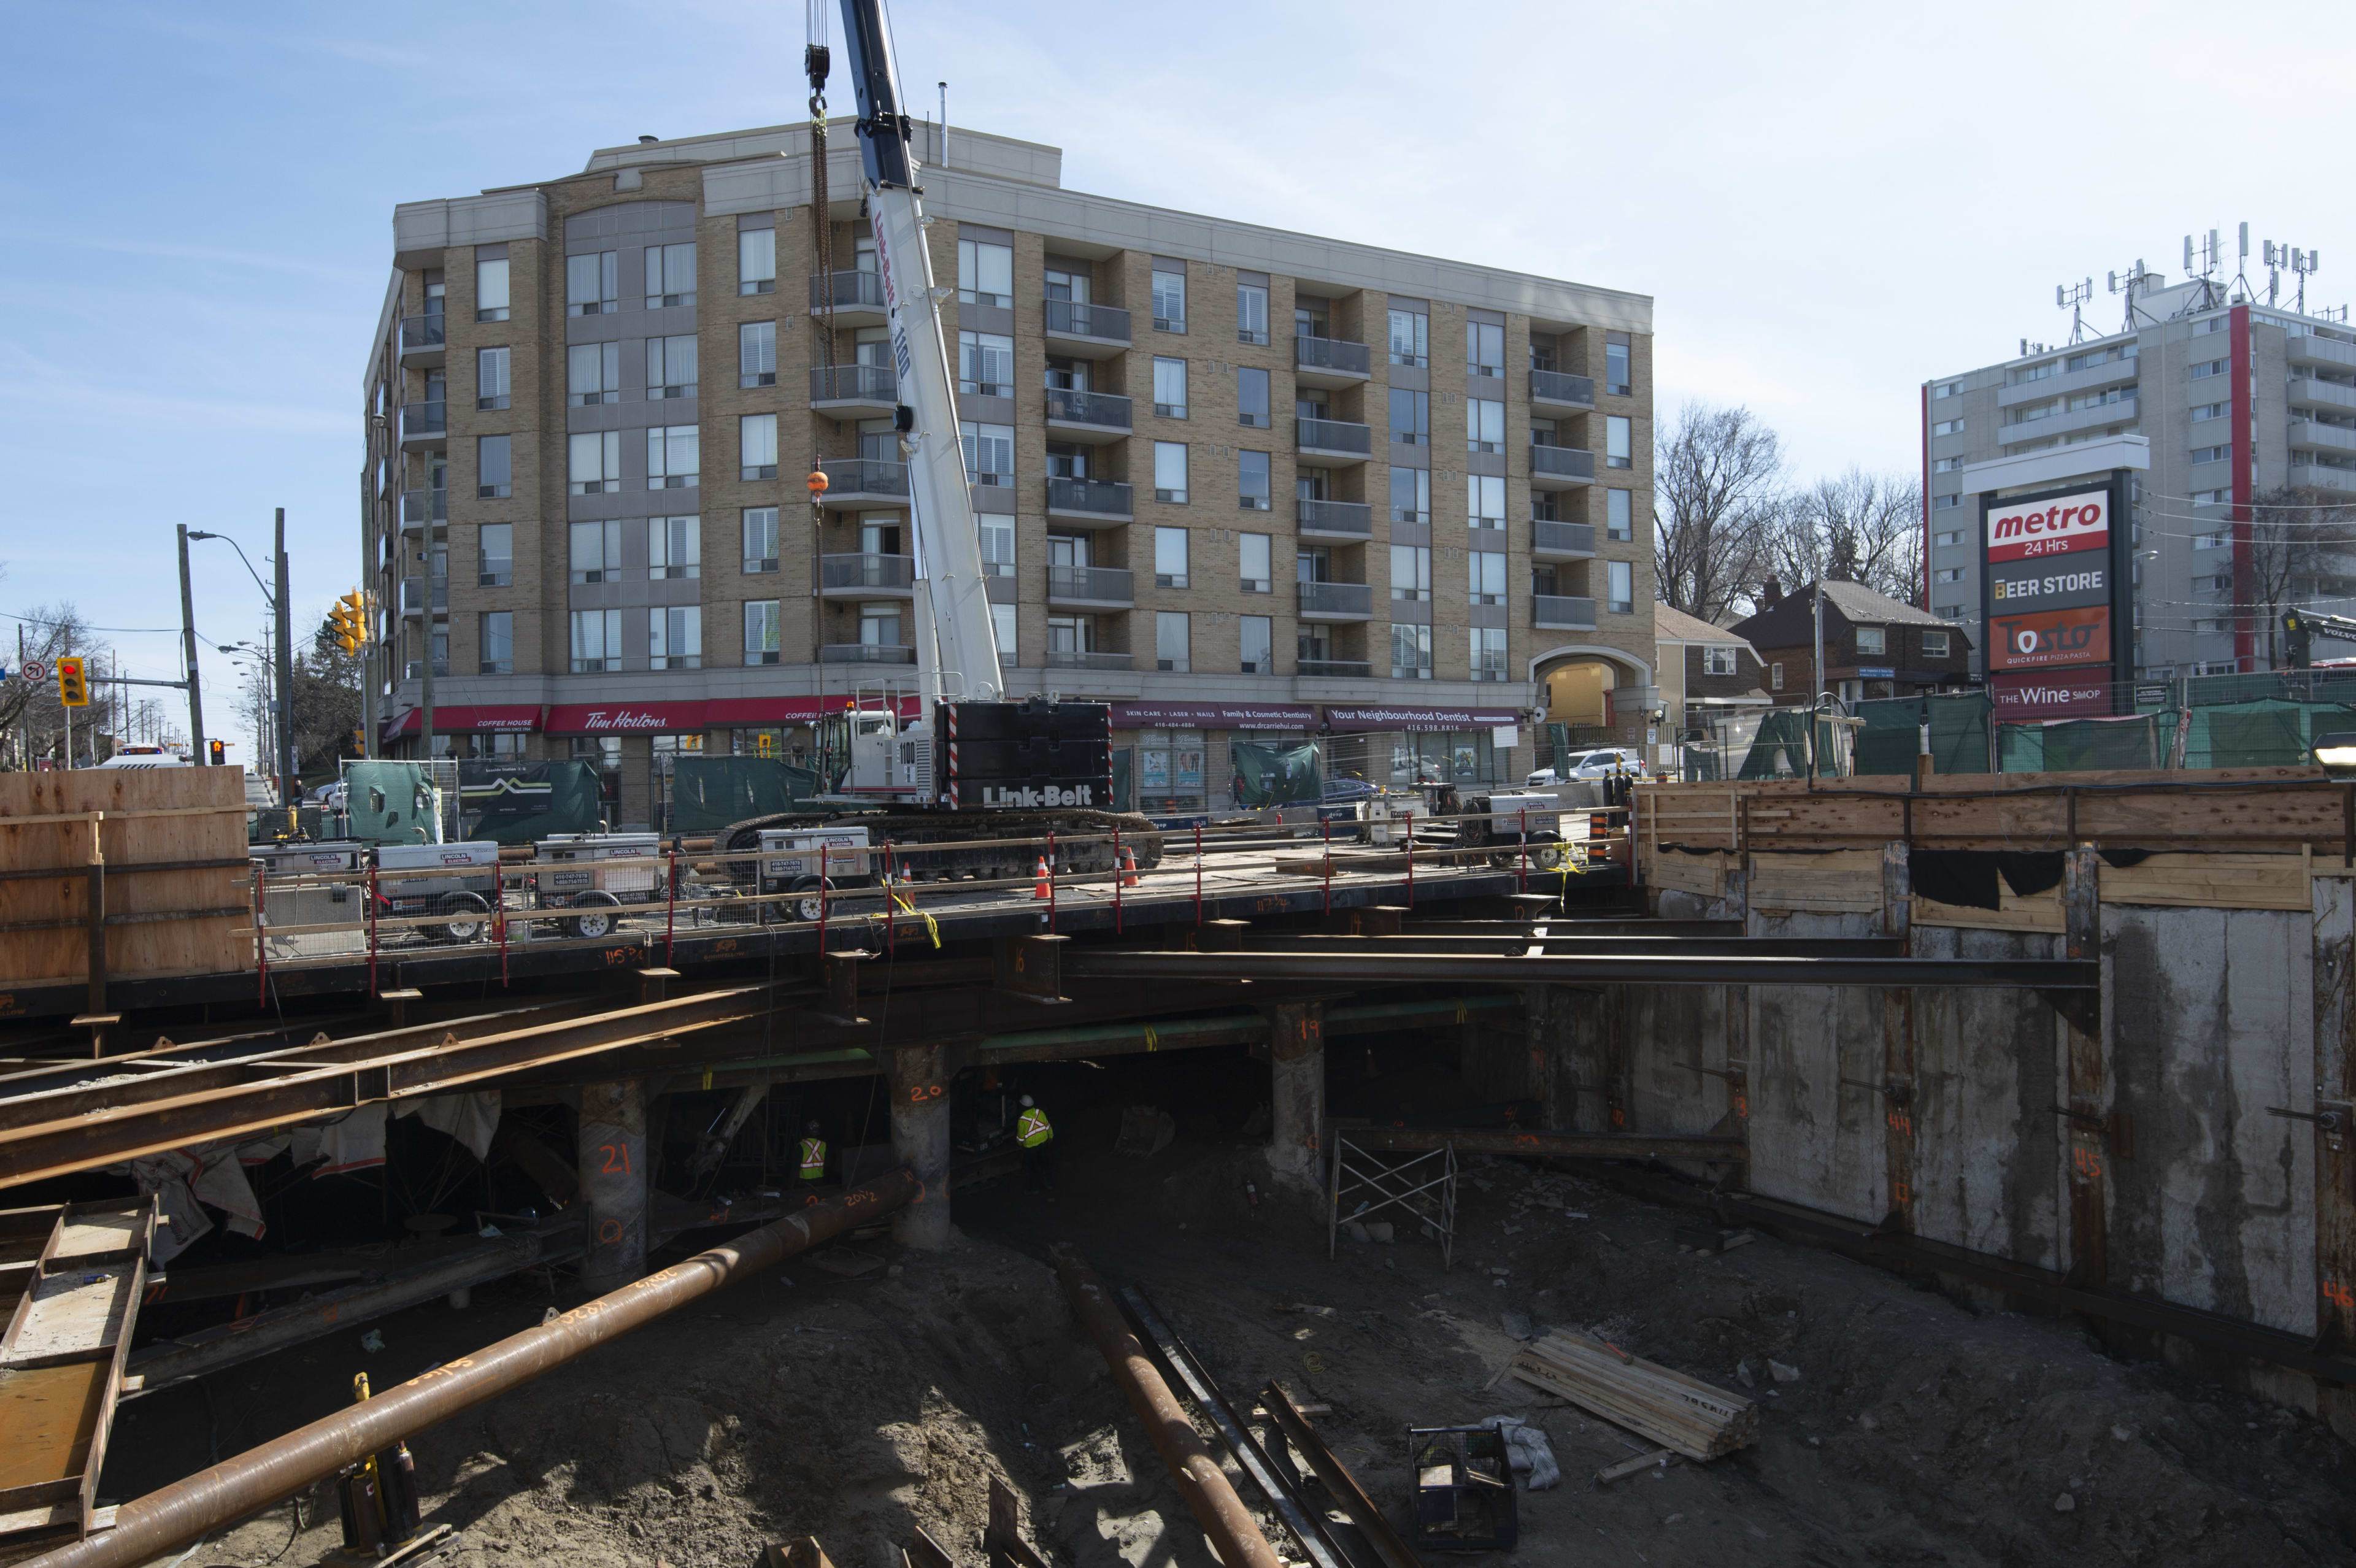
x=1032, y=1129
x=813, y=1158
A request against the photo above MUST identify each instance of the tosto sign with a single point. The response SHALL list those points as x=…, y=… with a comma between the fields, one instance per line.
x=2048, y=638
x=2066, y=525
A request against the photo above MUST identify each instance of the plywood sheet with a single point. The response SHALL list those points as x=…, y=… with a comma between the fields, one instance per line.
x=1678, y=872
x=2038, y=911
x=1845, y=881
x=2212, y=882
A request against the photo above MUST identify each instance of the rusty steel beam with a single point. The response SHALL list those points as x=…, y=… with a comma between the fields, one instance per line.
x=1566, y=1146
x=1234, y=1536
x=1386, y=966
x=148, y=1527
x=1550, y=943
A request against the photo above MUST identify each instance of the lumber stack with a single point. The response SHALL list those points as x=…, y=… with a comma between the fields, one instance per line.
x=1661, y=1406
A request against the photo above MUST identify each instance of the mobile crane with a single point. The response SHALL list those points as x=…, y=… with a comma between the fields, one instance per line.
x=972, y=766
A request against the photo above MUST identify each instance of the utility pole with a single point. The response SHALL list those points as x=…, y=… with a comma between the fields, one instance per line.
x=285, y=674
x=189, y=655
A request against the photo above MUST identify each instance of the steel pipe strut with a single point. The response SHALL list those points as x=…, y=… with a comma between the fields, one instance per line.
x=1406, y=968
x=148, y=1527
x=1233, y=1537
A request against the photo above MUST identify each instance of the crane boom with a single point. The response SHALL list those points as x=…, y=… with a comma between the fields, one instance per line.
x=957, y=646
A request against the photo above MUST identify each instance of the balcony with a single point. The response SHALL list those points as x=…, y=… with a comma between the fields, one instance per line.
x=858, y=298
x=2305, y=390
x=418, y=507
x=415, y=669
x=1087, y=331
x=421, y=342
x=1099, y=503
x=1562, y=541
x=1556, y=390
x=854, y=391
x=2109, y=373
x=1561, y=467
x=1090, y=418
x=2312, y=433
x=1553, y=613
x=1091, y=587
x=2308, y=348
x=1344, y=669
x=853, y=483
x=424, y=425
x=413, y=597
x=2070, y=422
x=1329, y=362
x=2315, y=475
x=1088, y=658
x=867, y=576
x=1336, y=601
x=865, y=652
x=1333, y=444
x=1350, y=520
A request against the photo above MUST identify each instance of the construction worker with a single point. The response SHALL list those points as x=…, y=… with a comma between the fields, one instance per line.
x=813, y=1153
x=1038, y=1141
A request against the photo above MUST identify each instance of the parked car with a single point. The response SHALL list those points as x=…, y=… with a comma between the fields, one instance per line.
x=1596, y=764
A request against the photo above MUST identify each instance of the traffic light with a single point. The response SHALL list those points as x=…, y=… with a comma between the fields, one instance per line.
x=2298, y=637
x=73, y=686
x=220, y=749
x=351, y=619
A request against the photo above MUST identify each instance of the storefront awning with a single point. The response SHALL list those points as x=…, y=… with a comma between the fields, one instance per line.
x=1338, y=717
x=464, y=719
x=1212, y=716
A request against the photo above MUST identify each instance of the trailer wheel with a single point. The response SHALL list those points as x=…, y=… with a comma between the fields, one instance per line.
x=806, y=902
x=1546, y=857
x=599, y=916
x=468, y=917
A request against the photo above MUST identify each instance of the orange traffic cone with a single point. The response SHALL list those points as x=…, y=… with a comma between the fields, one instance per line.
x=1128, y=867
x=1041, y=889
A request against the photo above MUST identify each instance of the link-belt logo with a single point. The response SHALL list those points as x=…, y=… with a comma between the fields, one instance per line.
x=1048, y=794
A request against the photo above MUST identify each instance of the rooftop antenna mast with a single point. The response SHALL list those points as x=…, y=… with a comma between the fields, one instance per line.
x=2242, y=269
x=2073, y=297
x=2129, y=285
x=2200, y=264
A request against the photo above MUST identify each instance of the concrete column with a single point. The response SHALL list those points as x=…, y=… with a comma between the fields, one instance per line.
x=1297, y=1065
x=920, y=1136
x=613, y=1183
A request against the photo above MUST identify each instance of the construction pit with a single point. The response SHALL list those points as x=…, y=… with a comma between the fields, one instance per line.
x=1806, y=1216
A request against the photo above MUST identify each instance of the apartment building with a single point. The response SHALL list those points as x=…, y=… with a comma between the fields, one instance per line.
x=593, y=402
x=2211, y=401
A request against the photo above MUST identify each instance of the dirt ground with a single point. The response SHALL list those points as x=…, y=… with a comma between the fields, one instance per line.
x=1919, y=1430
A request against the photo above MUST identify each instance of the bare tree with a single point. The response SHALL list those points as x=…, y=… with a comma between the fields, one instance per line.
x=2302, y=549
x=326, y=702
x=31, y=718
x=1718, y=483
x=1854, y=528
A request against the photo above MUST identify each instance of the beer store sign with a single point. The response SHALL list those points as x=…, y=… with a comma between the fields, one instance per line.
x=2075, y=581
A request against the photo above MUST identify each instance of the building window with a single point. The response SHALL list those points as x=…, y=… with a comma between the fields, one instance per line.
x=1717, y=661
x=1948, y=574
x=1952, y=536
x=674, y=457
x=594, y=463
x=1002, y=632
x=1258, y=653
x=1486, y=574
x=1251, y=397
x=761, y=631
x=1412, y=573
x=1410, y=653
x=675, y=637
x=671, y=367
x=760, y=524
x=997, y=544
x=757, y=261
x=1251, y=314
x=985, y=273
x=674, y=547
x=1935, y=644
x=1619, y=442
x=1169, y=301
x=1941, y=503
x=1946, y=465
x=593, y=283
x=1484, y=424
x=494, y=556
x=1948, y=427
x=2205, y=369
x=756, y=352
x=989, y=452
x=1410, y=337
x=1948, y=390
x=494, y=467
x=986, y=364
x=1411, y=494
x=491, y=377
x=1485, y=500
x=1620, y=577
x=2210, y=541
x=1169, y=388
x=1488, y=653
x=596, y=641
x=1169, y=558
x=1872, y=640
x=2209, y=411
x=593, y=373
x=1410, y=417
x=1252, y=482
x=879, y=625
x=1169, y=471
x=756, y=445
x=1485, y=349
x=1171, y=639
x=491, y=290
x=2212, y=453
x=596, y=551
x=1620, y=514
x=1775, y=678
x=1252, y=559
x=1616, y=378
x=495, y=634
x=670, y=275
x=2212, y=497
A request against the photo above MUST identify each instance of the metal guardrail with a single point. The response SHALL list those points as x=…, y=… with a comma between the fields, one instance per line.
x=1563, y=462
x=1562, y=538
x=865, y=652
x=851, y=291
x=1095, y=497
x=848, y=383
x=1081, y=320
x=1559, y=611
x=1104, y=409
x=1355, y=518
x=1335, y=435
x=1094, y=584
x=1337, y=598
x=874, y=571
x=1558, y=387
x=863, y=476
x=1337, y=354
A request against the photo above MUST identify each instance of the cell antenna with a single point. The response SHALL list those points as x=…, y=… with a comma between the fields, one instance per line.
x=2073, y=297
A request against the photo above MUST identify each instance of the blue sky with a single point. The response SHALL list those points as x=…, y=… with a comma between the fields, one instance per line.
x=1829, y=203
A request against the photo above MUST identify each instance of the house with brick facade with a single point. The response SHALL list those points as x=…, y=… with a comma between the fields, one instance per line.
x=1875, y=646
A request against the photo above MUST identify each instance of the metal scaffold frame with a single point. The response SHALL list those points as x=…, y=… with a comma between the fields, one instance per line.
x=1407, y=1186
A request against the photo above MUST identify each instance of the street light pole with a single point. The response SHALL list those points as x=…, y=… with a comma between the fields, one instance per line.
x=286, y=788
x=188, y=655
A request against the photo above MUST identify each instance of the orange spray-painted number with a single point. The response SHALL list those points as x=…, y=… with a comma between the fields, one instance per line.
x=617, y=1159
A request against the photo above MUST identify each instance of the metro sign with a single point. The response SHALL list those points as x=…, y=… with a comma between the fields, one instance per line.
x=2065, y=525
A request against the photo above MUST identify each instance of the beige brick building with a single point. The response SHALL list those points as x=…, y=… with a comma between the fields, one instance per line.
x=592, y=403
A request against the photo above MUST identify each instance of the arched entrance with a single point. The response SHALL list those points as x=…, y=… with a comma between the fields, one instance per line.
x=1577, y=684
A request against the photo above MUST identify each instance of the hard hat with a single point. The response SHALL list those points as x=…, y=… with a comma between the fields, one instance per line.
x=1026, y=1100
x=810, y=1126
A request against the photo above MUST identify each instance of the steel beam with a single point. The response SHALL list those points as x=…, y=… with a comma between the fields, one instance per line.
x=1407, y=968
x=1591, y=1146
x=1551, y=942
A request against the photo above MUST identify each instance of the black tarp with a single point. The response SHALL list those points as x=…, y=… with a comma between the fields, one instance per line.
x=709, y=793
x=522, y=802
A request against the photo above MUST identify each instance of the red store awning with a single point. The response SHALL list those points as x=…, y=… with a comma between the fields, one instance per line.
x=464, y=719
